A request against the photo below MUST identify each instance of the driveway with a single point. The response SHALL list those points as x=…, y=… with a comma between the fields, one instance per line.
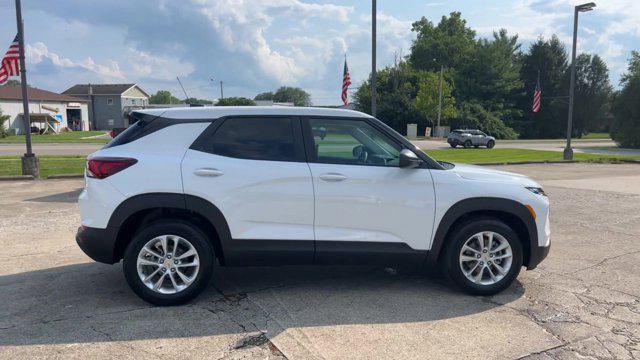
x=583, y=301
x=608, y=147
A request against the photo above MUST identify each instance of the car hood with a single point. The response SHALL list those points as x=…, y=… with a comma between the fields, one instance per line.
x=481, y=173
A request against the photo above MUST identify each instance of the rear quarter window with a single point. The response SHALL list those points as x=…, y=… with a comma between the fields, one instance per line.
x=143, y=125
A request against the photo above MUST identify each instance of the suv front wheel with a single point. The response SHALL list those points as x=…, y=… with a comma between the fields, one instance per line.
x=168, y=262
x=483, y=256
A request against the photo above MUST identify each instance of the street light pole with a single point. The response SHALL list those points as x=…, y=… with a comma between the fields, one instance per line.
x=439, y=132
x=568, y=151
x=30, y=163
x=373, y=58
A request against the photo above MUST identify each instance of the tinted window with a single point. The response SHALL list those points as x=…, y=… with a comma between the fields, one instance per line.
x=352, y=142
x=142, y=125
x=254, y=138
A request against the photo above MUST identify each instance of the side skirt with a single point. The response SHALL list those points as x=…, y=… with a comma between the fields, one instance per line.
x=252, y=252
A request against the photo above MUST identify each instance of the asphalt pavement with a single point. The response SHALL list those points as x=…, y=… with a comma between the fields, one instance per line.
x=582, y=302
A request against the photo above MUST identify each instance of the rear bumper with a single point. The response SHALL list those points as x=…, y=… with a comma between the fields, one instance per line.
x=538, y=253
x=98, y=244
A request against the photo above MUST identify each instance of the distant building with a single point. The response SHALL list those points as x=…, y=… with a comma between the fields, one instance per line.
x=46, y=108
x=109, y=103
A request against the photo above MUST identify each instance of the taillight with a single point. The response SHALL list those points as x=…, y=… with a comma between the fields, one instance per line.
x=102, y=167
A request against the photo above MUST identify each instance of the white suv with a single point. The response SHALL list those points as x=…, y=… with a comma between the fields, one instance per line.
x=184, y=189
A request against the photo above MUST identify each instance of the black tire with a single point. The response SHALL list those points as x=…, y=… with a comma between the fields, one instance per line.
x=476, y=146
x=491, y=144
x=169, y=227
x=467, y=144
x=453, y=145
x=451, y=263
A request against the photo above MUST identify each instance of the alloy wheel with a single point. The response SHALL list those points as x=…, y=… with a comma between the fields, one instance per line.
x=486, y=258
x=168, y=264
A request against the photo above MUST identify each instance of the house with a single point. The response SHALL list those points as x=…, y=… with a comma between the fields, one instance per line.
x=47, y=110
x=110, y=103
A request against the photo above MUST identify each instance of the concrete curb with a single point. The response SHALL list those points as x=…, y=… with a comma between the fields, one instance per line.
x=65, y=176
x=530, y=162
x=605, y=161
x=16, y=177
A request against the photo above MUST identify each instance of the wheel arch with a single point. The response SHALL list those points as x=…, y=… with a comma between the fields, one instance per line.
x=142, y=209
x=512, y=212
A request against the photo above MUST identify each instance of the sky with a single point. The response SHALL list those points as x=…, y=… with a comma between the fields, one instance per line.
x=255, y=46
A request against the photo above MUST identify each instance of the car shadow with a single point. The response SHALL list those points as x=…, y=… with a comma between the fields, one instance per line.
x=90, y=302
x=65, y=197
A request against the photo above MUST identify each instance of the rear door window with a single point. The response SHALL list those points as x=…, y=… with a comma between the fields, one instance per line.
x=268, y=138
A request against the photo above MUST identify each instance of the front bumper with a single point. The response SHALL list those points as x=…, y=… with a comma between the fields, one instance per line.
x=98, y=244
x=538, y=253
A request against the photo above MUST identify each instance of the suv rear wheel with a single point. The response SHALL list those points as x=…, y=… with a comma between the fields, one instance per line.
x=483, y=256
x=168, y=262
x=467, y=144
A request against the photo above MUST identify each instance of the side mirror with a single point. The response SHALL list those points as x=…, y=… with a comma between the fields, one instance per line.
x=409, y=159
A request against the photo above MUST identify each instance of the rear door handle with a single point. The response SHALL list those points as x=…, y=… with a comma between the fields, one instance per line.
x=333, y=177
x=208, y=172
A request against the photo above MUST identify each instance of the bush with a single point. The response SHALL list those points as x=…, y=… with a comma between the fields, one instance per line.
x=3, y=130
x=473, y=115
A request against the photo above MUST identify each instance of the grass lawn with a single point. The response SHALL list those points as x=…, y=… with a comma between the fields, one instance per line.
x=481, y=155
x=49, y=165
x=599, y=136
x=68, y=137
x=74, y=164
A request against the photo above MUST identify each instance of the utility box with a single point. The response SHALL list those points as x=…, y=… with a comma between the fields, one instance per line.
x=441, y=131
x=412, y=131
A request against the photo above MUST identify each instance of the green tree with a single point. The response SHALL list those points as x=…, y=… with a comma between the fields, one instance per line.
x=450, y=43
x=592, y=94
x=264, y=96
x=426, y=101
x=3, y=130
x=164, y=97
x=12, y=82
x=196, y=101
x=397, y=88
x=625, y=129
x=549, y=59
x=235, y=101
x=492, y=76
x=294, y=95
x=473, y=115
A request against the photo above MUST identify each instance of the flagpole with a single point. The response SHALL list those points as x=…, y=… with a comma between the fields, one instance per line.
x=374, y=94
x=30, y=164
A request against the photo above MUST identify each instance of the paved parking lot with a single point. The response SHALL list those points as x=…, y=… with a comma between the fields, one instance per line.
x=583, y=301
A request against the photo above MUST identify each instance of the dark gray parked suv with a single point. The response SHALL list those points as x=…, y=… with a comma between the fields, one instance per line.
x=469, y=138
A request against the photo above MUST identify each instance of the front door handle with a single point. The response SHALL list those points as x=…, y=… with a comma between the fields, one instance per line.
x=208, y=172
x=333, y=177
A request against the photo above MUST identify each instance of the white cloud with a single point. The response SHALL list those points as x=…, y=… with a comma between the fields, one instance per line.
x=241, y=25
x=150, y=66
x=37, y=52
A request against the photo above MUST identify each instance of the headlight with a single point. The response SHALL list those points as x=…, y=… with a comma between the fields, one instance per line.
x=536, y=190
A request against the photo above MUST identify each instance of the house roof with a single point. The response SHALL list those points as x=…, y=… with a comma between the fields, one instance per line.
x=100, y=89
x=15, y=93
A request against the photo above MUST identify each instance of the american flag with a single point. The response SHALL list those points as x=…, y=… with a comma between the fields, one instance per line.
x=346, y=81
x=537, y=95
x=10, y=63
